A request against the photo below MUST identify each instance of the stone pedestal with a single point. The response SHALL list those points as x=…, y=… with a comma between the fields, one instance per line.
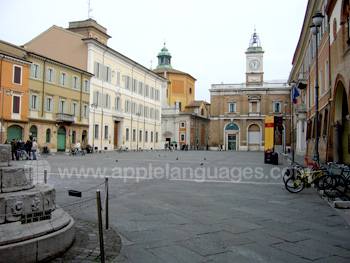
x=32, y=228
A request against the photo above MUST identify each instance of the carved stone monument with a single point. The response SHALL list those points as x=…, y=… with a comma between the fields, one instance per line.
x=32, y=227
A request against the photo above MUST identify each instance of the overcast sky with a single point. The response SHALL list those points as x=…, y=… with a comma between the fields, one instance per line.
x=207, y=39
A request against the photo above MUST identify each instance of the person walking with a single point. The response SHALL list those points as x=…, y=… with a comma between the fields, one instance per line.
x=13, y=149
x=34, y=148
x=78, y=147
x=28, y=147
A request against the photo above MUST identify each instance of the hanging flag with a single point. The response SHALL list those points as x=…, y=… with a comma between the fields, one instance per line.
x=295, y=95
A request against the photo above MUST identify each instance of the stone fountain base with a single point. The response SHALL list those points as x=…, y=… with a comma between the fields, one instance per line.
x=32, y=228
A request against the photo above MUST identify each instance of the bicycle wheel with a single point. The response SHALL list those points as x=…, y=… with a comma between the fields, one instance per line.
x=340, y=184
x=296, y=184
x=324, y=182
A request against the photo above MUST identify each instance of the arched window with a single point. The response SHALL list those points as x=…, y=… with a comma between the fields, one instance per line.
x=48, y=136
x=33, y=132
x=231, y=126
x=74, y=137
x=202, y=112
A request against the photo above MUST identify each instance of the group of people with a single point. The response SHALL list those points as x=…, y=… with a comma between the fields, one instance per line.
x=27, y=148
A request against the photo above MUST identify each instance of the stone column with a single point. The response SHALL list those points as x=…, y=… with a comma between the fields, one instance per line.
x=336, y=150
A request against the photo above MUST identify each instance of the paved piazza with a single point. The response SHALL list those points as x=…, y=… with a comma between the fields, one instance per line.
x=199, y=206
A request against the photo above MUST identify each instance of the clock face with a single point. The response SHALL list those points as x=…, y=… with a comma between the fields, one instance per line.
x=254, y=64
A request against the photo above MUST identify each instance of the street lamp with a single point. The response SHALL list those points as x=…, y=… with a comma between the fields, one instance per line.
x=94, y=106
x=137, y=137
x=285, y=127
x=317, y=22
x=293, y=84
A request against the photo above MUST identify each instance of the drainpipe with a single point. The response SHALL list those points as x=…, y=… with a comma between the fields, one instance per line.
x=2, y=97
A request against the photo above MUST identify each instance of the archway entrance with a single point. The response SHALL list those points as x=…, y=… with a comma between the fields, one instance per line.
x=33, y=132
x=61, y=139
x=254, y=138
x=341, y=150
x=231, y=135
x=14, y=131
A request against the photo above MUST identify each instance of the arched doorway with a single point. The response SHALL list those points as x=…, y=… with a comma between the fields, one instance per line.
x=254, y=138
x=341, y=126
x=84, y=137
x=231, y=135
x=33, y=132
x=14, y=131
x=61, y=139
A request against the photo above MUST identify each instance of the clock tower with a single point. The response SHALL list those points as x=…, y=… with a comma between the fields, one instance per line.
x=254, y=60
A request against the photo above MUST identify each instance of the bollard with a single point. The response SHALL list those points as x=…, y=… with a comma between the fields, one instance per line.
x=100, y=230
x=45, y=176
x=106, y=204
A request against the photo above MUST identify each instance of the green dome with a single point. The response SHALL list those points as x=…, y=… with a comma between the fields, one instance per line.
x=164, y=52
x=164, y=58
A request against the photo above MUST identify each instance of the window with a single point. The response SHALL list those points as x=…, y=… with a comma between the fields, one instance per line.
x=276, y=107
x=151, y=115
x=108, y=74
x=75, y=82
x=106, y=132
x=140, y=88
x=17, y=75
x=97, y=98
x=85, y=111
x=157, y=95
x=118, y=78
x=49, y=104
x=134, y=85
x=74, y=110
x=127, y=106
x=127, y=82
x=182, y=124
x=16, y=104
x=35, y=71
x=62, y=106
x=50, y=75
x=133, y=135
x=140, y=110
x=182, y=137
x=156, y=136
x=157, y=114
x=118, y=103
x=98, y=70
x=146, y=136
x=96, y=131
x=48, y=136
x=107, y=101
x=151, y=136
x=74, y=137
x=147, y=91
x=232, y=107
x=63, y=79
x=202, y=112
x=34, y=102
x=127, y=134
x=86, y=85
x=146, y=111
x=140, y=135
x=152, y=93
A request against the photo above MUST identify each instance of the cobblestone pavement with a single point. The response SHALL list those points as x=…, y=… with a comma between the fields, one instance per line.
x=200, y=206
x=86, y=246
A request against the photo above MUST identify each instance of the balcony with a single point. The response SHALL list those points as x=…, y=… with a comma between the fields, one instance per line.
x=64, y=117
x=300, y=108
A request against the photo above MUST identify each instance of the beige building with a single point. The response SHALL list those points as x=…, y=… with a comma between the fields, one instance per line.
x=125, y=97
x=238, y=111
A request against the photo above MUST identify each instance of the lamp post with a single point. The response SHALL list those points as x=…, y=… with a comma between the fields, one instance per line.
x=317, y=22
x=285, y=127
x=293, y=84
x=94, y=106
x=137, y=137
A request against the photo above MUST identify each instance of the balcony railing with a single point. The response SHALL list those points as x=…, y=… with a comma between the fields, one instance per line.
x=64, y=117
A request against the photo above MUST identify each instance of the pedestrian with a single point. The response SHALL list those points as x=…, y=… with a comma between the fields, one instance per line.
x=21, y=148
x=34, y=148
x=7, y=142
x=83, y=146
x=13, y=149
x=78, y=147
x=28, y=147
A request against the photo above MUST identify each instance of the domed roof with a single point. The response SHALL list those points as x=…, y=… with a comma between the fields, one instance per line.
x=164, y=52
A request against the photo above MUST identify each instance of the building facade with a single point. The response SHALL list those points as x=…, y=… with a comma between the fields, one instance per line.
x=125, y=97
x=14, y=87
x=185, y=121
x=323, y=65
x=238, y=110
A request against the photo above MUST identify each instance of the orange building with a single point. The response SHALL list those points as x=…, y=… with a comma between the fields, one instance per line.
x=14, y=83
